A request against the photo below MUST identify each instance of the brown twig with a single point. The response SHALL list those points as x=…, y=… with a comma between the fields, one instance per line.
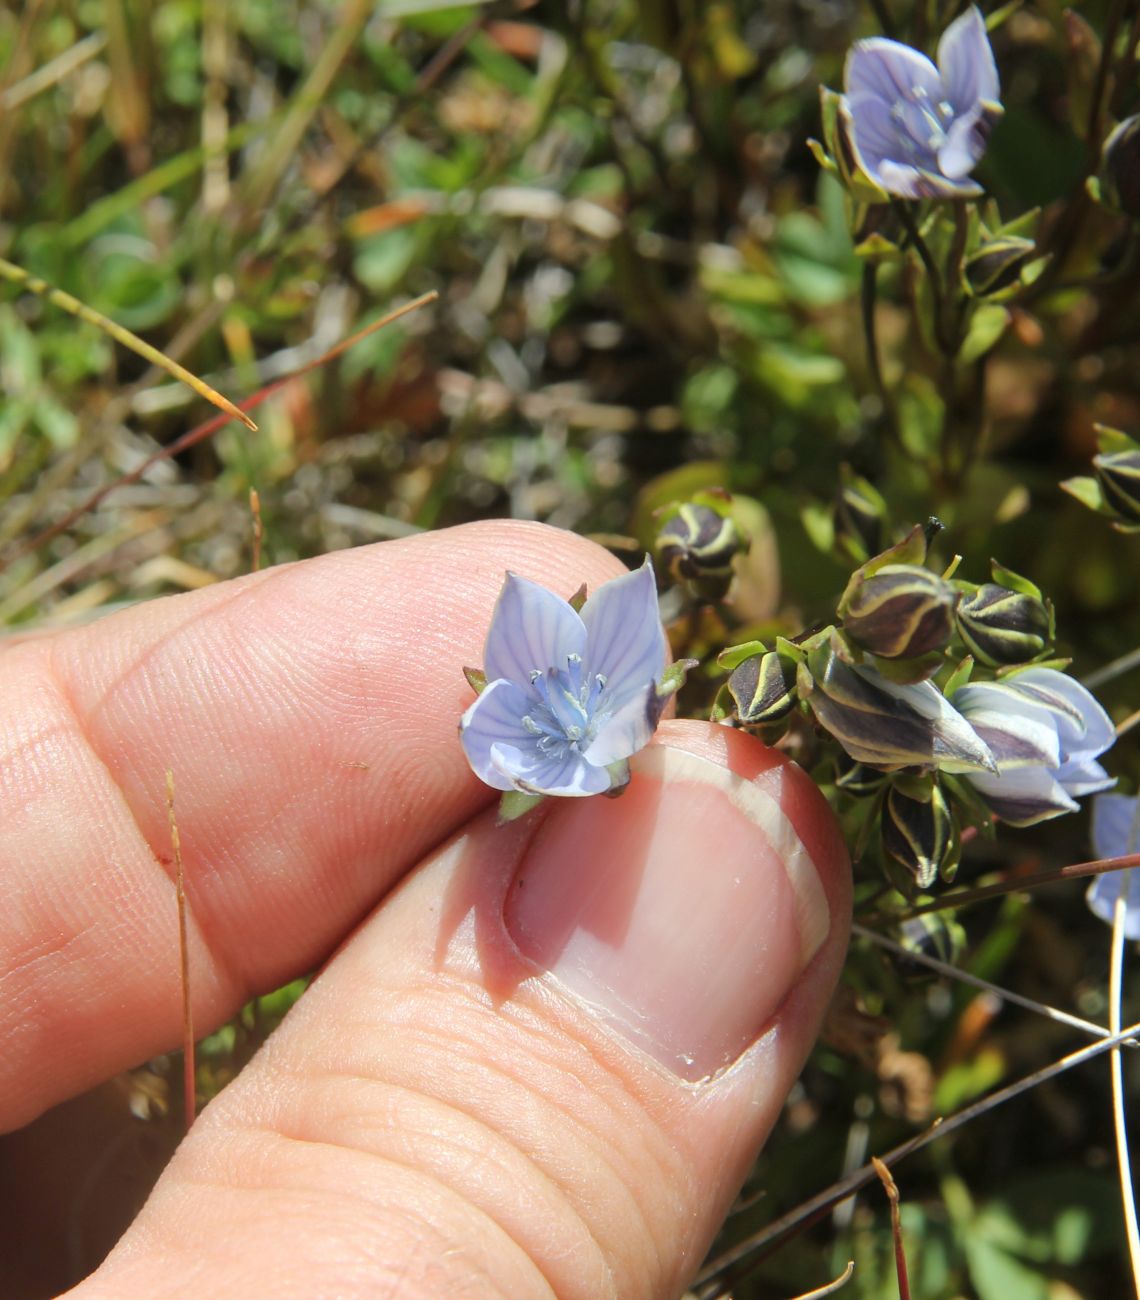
x=892, y=1190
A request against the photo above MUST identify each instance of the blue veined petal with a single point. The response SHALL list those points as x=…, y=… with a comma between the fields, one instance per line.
x=1104, y=891
x=568, y=774
x=1115, y=825
x=1115, y=832
x=531, y=628
x=627, y=729
x=877, y=137
x=495, y=718
x=1023, y=796
x=1084, y=727
x=892, y=71
x=966, y=62
x=965, y=142
x=1081, y=776
x=625, y=639
x=1019, y=732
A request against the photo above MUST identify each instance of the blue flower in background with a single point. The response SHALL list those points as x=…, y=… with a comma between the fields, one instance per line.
x=569, y=697
x=1045, y=732
x=1115, y=832
x=919, y=130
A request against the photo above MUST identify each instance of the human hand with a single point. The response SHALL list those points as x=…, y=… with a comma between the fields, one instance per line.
x=494, y=1087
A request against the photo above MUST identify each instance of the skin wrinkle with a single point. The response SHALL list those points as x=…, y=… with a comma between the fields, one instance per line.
x=390, y=1207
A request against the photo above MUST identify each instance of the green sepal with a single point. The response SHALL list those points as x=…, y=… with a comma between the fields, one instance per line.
x=1014, y=581
x=673, y=678
x=911, y=550
x=619, y=777
x=820, y=154
x=959, y=677
x=578, y=599
x=735, y=655
x=476, y=679
x=515, y=804
x=1109, y=440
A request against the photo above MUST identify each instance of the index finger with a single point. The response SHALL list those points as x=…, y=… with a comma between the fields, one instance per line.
x=308, y=715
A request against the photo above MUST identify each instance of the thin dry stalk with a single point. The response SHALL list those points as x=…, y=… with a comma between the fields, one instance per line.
x=189, y=1092
x=1116, y=1068
x=892, y=1191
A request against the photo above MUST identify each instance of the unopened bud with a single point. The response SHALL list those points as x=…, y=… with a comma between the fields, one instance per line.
x=1118, y=473
x=761, y=690
x=1000, y=626
x=900, y=612
x=920, y=834
x=883, y=723
x=997, y=263
x=1120, y=167
x=697, y=546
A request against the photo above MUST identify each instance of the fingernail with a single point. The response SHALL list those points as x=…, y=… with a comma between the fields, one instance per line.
x=681, y=912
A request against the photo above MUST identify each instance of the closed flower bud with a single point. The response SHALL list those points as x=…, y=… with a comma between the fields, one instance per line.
x=920, y=834
x=1118, y=473
x=761, y=690
x=1120, y=167
x=1000, y=626
x=697, y=546
x=886, y=724
x=860, y=517
x=997, y=264
x=900, y=612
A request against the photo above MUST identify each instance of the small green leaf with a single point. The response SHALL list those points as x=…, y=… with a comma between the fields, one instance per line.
x=1087, y=491
x=578, y=599
x=959, y=677
x=987, y=325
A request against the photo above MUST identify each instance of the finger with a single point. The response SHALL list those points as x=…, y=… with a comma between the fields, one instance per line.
x=543, y=1067
x=308, y=715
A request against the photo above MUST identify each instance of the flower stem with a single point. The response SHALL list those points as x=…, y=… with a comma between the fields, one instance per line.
x=1116, y=1069
x=868, y=295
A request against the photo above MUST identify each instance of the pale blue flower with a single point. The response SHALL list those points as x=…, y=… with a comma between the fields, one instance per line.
x=1045, y=732
x=919, y=130
x=569, y=697
x=1115, y=832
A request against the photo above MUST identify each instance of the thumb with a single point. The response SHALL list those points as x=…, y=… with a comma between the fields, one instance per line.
x=543, y=1067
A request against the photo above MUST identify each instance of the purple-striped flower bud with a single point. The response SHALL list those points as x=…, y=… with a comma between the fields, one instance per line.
x=762, y=690
x=901, y=611
x=919, y=833
x=1000, y=626
x=1118, y=473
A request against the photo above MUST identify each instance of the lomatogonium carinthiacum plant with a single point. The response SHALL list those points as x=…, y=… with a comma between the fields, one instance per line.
x=928, y=704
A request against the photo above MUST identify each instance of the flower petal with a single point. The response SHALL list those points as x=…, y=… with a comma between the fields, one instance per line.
x=877, y=137
x=914, y=183
x=626, y=730
x=1083, y=776
x=531, y=629
x=892, y=71
x=625, y=639
x=966, y=142
x=1083, y=726
x=1019, y=732
x=494, y=718
x=1105, y=890
x=1115, y=825
x=533, y=772
x=955, y=745
x=966, y=62
x=1023, y=796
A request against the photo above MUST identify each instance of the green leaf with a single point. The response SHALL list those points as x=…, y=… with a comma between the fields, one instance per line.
x=1014, y=581
x=578, y=599
x=1087, y=491
x=673, y=678
x=987, y=325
